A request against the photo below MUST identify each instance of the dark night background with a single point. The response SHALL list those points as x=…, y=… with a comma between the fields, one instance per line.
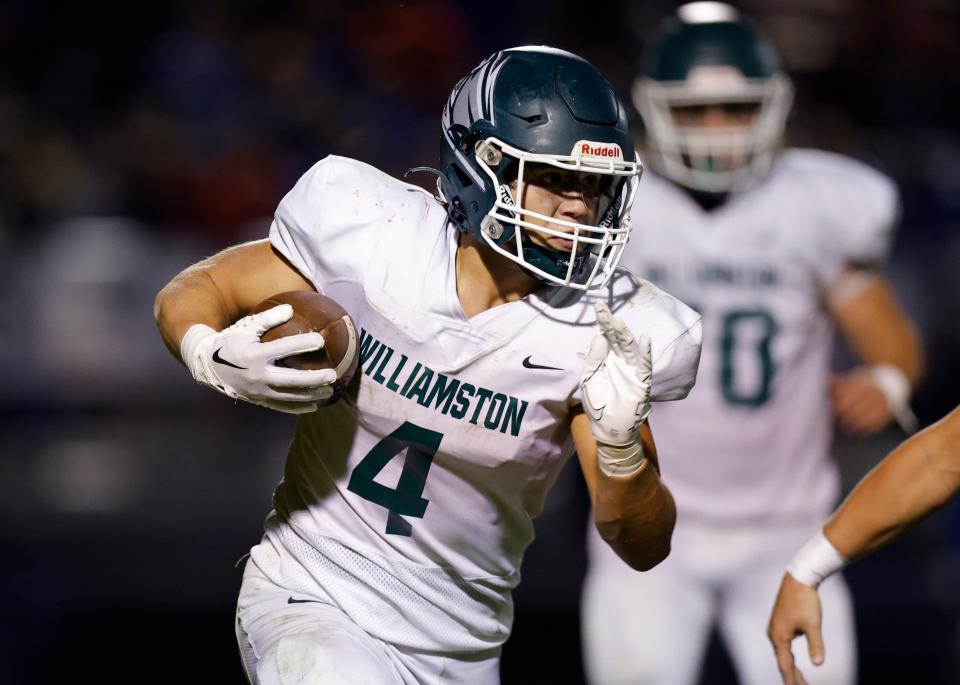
x=136, y=139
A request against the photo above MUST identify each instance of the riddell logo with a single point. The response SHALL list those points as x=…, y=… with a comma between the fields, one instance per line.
x=587, y=148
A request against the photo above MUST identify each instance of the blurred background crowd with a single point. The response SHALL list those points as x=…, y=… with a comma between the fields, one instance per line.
x=135, y=139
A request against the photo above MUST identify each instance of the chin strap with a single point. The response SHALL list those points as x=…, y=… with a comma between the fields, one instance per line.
x=551, y=261
x=456, y=215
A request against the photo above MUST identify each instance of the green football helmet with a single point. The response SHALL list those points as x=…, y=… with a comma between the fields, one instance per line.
x=707, y=54
x=538, y=105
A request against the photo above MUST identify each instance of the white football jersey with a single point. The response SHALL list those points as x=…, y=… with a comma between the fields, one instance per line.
x=753, y=439
x=411, y=505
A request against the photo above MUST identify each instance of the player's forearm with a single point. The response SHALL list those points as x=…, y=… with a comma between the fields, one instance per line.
x=191, y=297
x=878, y=330
x=916, y=478
x=222, y=288
x=899, y=347
x=635, y=515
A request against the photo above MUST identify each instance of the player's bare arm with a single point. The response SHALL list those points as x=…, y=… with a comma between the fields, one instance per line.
x=635, y=514
x=916, y=478
x=203, y=318
x=220, y=289
x=865, y=309
x=633, y=510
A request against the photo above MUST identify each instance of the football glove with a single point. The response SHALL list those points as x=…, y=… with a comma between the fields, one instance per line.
x=615, y=384
x=235, y=362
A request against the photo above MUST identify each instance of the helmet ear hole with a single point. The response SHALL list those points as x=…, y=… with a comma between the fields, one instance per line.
x=462, y=176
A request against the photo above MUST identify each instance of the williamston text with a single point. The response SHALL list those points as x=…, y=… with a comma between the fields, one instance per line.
x=448, y=395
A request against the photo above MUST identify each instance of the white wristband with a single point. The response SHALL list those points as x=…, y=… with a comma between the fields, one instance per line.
x=188, y=348
x=816, y=561
x=895, y=386
x=622, y=460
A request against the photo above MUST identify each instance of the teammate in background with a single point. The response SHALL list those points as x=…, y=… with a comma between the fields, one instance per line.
x=773, y=247
x=919, y=476
x=495, y=337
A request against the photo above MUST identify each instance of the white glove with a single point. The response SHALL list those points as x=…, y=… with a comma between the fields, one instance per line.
x=236, y=363
x=615, y=384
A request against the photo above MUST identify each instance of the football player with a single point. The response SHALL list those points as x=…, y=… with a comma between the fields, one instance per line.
x=919, y=476
x=495, y=334
x=774, y=247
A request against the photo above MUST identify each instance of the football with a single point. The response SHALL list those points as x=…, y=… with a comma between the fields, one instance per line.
x=313, y=312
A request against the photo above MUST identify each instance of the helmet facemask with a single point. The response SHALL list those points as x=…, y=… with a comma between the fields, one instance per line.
x=714, y=159
x=596, y=249
x=529, y=108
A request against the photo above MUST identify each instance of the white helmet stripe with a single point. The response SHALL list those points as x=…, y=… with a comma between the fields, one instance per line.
x=481, y=78
x=491, y=84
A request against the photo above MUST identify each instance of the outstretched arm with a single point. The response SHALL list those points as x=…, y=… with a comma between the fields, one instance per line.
x=918, y=477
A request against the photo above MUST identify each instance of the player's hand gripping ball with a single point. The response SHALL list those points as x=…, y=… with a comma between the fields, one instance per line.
x=305, y=357
x=316, y=313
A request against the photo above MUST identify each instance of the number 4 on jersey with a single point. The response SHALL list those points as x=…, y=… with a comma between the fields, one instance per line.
x=405, y=499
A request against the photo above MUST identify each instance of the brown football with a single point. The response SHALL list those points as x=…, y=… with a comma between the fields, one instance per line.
x=313, y=312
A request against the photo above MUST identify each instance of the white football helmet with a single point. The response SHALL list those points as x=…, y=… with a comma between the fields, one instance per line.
x=707, y=54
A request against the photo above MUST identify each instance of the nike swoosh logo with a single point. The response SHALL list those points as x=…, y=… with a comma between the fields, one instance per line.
x=291, y=600
x=527, y=364
x=220, y=360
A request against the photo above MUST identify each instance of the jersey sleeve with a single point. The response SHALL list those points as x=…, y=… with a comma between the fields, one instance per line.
x=675, y=332
x=324, y=223
x=676, y=358
x=857, y=211
x=675, y=338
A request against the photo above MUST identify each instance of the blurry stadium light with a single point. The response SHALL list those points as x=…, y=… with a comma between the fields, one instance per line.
x=706, y=12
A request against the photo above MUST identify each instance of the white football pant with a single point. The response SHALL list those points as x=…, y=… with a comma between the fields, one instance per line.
x=652, y=628
x=288, y=638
